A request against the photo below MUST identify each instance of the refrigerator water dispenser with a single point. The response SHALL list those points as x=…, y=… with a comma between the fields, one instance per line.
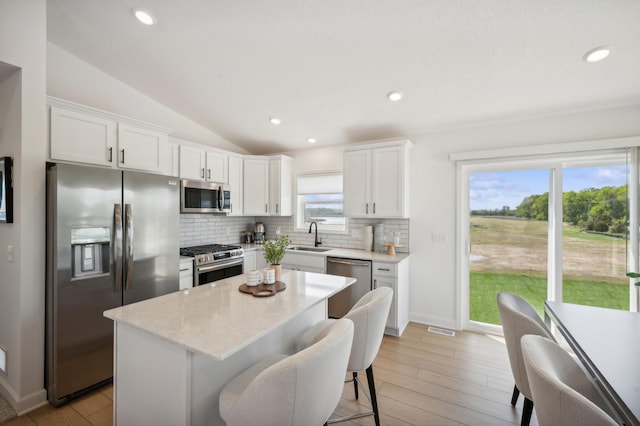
x=90, y=251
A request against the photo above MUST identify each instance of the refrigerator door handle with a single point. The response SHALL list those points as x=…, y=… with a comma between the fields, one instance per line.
x=117, y=246
x=128, y=250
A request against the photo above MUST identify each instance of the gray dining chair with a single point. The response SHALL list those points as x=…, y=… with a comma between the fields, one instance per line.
x=299, y=389
x=369, y=316
x=563, y=393
x=519, y=318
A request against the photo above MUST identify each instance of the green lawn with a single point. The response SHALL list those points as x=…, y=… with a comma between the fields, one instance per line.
x=484, y=286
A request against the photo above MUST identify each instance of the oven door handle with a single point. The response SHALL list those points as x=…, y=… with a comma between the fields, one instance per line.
x=201, y=269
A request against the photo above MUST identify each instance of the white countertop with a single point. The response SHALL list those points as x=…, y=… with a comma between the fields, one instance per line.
x=218, y=320
x=344, y=253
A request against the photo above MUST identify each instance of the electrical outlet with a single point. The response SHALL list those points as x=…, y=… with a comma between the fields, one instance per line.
x=438, y=237
x=356, y=233
x=228, y=231
x=10, y=253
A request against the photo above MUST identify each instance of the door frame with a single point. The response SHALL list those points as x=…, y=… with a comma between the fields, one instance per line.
x=555, y=164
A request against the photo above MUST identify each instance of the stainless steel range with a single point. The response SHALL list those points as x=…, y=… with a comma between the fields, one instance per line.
x=213, y=262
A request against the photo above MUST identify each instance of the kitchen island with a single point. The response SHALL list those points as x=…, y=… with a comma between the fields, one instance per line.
x=174, y=353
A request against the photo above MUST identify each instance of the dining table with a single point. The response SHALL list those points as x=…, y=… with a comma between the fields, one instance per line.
x=607, y=342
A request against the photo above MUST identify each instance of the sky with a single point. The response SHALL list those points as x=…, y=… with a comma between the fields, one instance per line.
x=493, y=190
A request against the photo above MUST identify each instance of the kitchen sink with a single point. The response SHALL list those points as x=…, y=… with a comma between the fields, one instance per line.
x=313, y=249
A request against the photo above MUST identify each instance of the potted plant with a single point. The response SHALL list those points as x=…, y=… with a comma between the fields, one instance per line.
x=274, y=252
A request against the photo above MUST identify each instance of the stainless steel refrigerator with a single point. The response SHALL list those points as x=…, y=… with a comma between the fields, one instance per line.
x=112, y=239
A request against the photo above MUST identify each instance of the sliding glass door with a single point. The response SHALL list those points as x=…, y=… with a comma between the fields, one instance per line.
x=508, y=230
x=595, y=235
x=557, y=231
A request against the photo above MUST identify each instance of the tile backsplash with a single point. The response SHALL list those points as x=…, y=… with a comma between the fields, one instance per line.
x=198, y=229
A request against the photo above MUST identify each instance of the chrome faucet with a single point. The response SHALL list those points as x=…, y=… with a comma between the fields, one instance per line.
x=316, y=243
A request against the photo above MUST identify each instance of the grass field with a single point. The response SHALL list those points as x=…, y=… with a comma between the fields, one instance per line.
x=484, y=286
x=511, y=255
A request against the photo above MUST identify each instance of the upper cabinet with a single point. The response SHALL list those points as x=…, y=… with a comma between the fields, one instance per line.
x=201, y=164
x=85, y=135
x=192, y=163
x=280, y=186
x=83, y=138
x=268, y=185
x=217, y=167
x=236, y=183
x=140, y=148
x=256, y=186
x=172, y=167
x=376, y=180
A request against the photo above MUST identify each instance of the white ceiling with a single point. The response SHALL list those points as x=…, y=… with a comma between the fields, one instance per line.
x=324, y=67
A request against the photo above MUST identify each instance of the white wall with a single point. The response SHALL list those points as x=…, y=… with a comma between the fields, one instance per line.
x=72, y=79
x=23, y=136
x=433, y=197
x=433, y=284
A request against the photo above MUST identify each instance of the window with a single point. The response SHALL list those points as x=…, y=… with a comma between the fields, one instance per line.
x=319, y=199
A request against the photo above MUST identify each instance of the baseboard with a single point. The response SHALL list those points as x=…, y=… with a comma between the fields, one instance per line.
x=429, y=320
x=22, y=405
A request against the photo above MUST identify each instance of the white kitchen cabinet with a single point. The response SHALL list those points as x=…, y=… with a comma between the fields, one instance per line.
x=86, y=135
x=396, y=277
x=256, y=186
x=376, y=180
x=141, y=148
x=83, y=137
x=280, y=186
x=236, y=179
x=304, y=262
x=204, y=165
x=261, y=262
x=268, y=186
x=192, y=163
x=186, y=273
x=217, y=167
x=250, y=259
x=172, y=166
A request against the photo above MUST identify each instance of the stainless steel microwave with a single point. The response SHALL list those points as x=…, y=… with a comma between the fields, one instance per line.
x=204, y=197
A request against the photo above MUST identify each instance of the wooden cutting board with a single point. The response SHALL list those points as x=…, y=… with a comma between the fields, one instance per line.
x=263, y=290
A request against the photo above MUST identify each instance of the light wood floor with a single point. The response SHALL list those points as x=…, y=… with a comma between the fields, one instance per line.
x=422, y=379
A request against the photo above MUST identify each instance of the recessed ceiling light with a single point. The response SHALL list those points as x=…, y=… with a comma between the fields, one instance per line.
x=394, y=96
x=144, y=16
x=311, y=140
x=275, y=121
x=597, y=54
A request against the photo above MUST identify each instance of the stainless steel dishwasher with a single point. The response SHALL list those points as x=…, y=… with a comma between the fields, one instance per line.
x=340, y=303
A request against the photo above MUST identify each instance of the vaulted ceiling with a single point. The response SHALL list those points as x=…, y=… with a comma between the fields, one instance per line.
x=325, y=67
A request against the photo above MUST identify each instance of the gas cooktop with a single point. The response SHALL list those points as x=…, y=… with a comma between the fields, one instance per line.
x=211, y=253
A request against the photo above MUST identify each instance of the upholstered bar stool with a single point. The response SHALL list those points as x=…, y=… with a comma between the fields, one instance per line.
x=563, y=393
x=300, y=389
x=519, y=318
x=369, y=316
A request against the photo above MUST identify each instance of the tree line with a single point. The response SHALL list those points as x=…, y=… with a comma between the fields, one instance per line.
x=594, y=209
